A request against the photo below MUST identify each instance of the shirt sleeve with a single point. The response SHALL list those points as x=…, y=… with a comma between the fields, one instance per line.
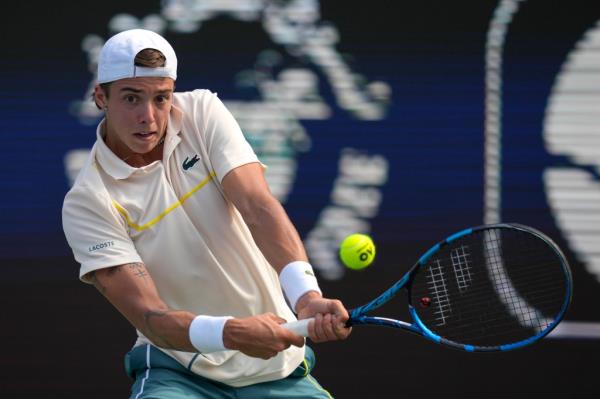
x=96, y=232
x=226, y=145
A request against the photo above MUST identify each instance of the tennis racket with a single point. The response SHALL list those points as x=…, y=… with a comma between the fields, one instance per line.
x=490, y=288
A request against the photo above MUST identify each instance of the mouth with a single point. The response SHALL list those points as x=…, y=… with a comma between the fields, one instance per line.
x=145, y=136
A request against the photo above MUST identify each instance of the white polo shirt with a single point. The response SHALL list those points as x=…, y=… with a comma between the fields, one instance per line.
x=172, y=215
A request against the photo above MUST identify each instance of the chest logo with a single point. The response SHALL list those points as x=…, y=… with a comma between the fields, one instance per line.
x=188, y=163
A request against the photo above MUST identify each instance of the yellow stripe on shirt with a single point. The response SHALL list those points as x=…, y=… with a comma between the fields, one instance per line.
x=164, y=213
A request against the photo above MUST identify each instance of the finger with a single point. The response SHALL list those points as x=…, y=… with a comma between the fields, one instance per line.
x=324, y=328
x=311, y=328
x=338, y=308
x=340, y=322
x=340, y=329
x=268, y=355
x=297, y=340
x=275, y=318
x=319, y=334
x=328, y=327
x=292, y=338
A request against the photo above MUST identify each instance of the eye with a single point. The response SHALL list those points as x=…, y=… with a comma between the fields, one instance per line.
x=131, y=99
x=162, y=99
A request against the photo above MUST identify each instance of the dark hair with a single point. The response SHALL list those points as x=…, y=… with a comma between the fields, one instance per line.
x=149, y=58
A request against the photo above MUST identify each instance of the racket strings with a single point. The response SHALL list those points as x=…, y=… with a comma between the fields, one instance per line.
x=495, y=319
x=466, y=317
x=462, y=266
x=525, y=273
x=436, y=282
x=505, y=281
x=543, y=285
x=470, y=331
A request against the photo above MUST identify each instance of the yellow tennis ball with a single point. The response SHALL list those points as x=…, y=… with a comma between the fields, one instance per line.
x=357, y=251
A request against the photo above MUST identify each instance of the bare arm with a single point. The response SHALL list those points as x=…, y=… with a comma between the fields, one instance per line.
x=131, y=290
x=280, y=243
x=271, y=228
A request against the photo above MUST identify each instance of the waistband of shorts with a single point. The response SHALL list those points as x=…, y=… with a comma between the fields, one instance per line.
x=147, y=356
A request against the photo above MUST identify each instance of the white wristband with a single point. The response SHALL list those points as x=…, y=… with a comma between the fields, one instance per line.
x=206, y=333
x=297, y=278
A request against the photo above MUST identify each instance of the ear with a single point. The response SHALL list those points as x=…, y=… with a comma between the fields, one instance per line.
x=100, y=97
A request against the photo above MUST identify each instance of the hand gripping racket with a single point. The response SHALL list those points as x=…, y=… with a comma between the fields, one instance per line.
x=489, y=288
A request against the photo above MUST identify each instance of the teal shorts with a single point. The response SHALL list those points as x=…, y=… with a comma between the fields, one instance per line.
x=167, y=379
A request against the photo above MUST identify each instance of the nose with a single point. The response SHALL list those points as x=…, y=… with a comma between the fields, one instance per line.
x=147, y=114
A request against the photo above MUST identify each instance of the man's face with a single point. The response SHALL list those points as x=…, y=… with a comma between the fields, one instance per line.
x=137, y=111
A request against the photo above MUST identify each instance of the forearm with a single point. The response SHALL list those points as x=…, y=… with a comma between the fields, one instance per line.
x=168, y=329
x=280, y=243
x=271, y=229
x=131, y=290
x=275, y=234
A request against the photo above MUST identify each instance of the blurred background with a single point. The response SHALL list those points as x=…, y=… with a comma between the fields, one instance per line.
x=404, y=120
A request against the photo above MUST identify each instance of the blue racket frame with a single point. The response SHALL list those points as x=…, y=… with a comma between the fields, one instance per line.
x=358, y=316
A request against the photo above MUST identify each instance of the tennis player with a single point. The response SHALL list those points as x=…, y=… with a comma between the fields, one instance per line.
x=173, y=222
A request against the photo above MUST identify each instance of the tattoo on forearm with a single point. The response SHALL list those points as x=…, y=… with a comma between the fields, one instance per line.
x=149, y=320
x=138, y=269
x=157, y=323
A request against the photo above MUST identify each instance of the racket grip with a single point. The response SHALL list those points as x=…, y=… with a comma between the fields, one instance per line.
x=299, y=327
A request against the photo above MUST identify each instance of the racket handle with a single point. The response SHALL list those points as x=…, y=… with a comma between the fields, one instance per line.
x=299, y=327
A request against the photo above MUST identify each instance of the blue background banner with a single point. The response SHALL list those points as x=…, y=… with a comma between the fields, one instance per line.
x=407, y=121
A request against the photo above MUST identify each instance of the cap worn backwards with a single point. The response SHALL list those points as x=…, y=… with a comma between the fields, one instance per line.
x=117, y=57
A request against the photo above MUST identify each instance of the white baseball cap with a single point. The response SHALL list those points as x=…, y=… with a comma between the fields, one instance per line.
x=117, y=56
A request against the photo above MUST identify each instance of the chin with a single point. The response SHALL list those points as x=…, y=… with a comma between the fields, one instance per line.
x=142, y=148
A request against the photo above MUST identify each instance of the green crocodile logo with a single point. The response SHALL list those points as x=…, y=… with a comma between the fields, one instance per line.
x=188, y=163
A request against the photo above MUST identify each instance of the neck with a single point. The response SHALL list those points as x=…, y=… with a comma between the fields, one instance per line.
x=139, y=160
